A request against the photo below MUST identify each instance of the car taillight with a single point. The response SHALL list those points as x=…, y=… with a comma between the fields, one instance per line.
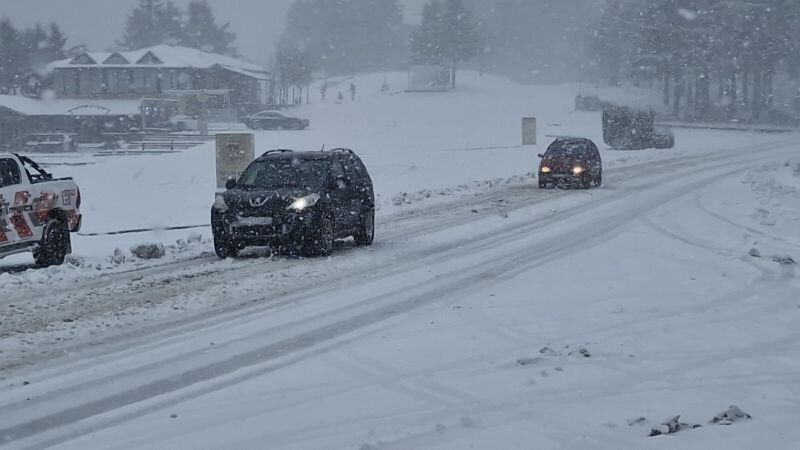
x=78, y=200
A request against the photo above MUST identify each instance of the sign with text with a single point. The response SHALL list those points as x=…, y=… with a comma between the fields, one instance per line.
x=529, y=131
x=234, y=153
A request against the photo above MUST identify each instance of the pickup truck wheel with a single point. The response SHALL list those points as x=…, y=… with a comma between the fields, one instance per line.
x=55, y=245
x=366, y=233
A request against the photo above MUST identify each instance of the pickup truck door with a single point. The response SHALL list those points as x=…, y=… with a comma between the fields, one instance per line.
x=16, y=200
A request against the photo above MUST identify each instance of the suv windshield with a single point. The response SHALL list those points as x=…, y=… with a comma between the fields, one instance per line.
x=285, y=174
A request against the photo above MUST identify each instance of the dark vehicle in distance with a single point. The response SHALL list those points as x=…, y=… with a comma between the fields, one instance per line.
x=571, y=162
x=274, y=120
x=626, y=128
x=302, y=201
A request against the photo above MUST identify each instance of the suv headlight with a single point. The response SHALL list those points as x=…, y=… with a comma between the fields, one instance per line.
x=219, y=204
x=304, y=202
x=577, y=170
x=545, y=169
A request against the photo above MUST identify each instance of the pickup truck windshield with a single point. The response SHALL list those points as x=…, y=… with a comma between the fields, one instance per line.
x=284, y=174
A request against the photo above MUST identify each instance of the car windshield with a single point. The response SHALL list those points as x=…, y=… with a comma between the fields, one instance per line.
x=569, y=150
x=285, y=173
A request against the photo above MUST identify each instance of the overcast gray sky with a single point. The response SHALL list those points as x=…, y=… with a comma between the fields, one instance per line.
x=99, y=23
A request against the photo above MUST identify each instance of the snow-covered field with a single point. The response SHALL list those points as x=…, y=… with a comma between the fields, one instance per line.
x=489, y=314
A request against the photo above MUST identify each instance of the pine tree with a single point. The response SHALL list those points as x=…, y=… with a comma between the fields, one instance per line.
x=448, y=35
x=150, y=23
x=34, y=44
x=11, y=56
x=55, y=48
x=202, y=32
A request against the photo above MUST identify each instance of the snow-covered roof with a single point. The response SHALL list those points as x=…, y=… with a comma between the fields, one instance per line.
x=69, y=107
x=249, y=73
x=166, y=56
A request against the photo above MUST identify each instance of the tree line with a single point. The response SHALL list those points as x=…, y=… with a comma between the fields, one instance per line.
x=349, y=36
x=26, y=52
x=714, y=60
x=154, y=22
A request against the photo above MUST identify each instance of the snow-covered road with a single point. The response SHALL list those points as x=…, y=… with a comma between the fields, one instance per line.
x=466, y=325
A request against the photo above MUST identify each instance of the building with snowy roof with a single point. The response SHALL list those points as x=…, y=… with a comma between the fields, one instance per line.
x=159, y=70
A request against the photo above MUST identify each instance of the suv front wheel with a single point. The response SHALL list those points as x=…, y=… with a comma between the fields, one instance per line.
x=225, y=247
x=321, y=242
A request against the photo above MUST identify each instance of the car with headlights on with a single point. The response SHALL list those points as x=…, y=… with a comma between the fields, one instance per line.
x=571, y=162
x=302, y=201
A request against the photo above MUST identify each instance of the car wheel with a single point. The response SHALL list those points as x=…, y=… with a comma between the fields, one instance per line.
x=55, y=244
x=224, y=247
x=585, y=182
x=366, y=233
x=542, y=184
x=321, y=243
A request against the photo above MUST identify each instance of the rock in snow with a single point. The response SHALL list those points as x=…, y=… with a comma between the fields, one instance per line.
x=148, y=251
x=731, y=415
x=671, y=426
x=118, y=257
x=784, y=260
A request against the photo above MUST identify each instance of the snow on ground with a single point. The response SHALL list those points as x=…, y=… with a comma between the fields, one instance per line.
x=582, y=322
x=496, y=316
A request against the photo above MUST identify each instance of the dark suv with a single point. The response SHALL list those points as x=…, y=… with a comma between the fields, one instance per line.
x=571, y=161
x=300, y=200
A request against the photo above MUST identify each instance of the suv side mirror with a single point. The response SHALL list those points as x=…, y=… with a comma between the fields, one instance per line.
x=540, y=155
x=230, y=184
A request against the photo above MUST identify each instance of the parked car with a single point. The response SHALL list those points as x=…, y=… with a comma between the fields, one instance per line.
x=626, y=128
x=571, y=162
x=37, y=211
x=300, y=200
x=50, y=143
x=274, y=120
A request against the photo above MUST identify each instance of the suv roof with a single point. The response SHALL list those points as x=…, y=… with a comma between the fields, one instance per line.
x=320, y=154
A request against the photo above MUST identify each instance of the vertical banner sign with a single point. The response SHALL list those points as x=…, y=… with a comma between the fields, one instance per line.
x=529, y=131
x=234, y=153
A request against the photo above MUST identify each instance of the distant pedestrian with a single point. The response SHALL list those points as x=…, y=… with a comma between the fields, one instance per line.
x=324, y=91
x=340, y=97
x=352, y=91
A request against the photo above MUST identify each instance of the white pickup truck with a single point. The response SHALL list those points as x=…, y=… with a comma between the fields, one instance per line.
x=37, y=211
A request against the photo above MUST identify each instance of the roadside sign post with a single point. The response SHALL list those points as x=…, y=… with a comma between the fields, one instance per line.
x=528, y=131
x=203, y=122
x=234, y=153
